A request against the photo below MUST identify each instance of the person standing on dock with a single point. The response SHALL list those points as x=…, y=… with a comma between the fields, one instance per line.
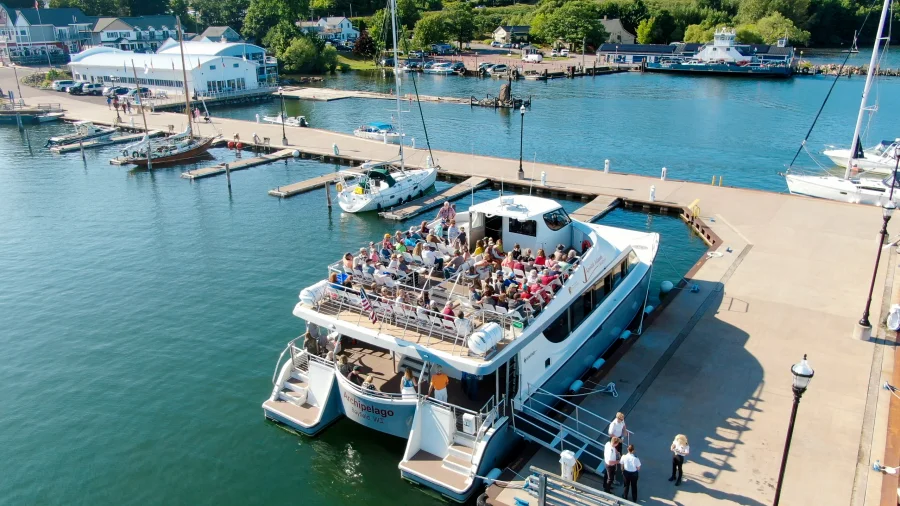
x=109, y=102
x=631, y=465
x=196, y=114
x=680, y=450
x=610, y=461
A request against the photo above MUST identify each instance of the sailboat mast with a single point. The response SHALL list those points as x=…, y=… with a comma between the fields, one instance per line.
x=854, y=146
x=397, y=79
x=187, y=98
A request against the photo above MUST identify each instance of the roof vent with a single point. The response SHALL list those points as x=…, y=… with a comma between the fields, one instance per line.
x=507, y=201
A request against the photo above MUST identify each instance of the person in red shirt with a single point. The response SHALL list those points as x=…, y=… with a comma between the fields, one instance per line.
x=448, y=311
x=541, y=257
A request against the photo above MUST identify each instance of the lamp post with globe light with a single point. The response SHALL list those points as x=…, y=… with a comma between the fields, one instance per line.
x=521, y=141
x=886, y=211
x=803, y=374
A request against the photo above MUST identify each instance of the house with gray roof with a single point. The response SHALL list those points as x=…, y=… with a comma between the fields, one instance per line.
x=28, y=35
x=219, y=34
x=332, y=28
x=134, y=33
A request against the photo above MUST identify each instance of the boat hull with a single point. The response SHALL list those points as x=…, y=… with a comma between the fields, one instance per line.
x=835, y=188
x=55, y=141
x=390, y=414
x=405, y=190
x=868, y=164
x=389, y=138
x=189, y=154
x=717, y=69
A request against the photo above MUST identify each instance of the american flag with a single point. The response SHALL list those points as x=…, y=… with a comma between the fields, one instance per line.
x=367, y=306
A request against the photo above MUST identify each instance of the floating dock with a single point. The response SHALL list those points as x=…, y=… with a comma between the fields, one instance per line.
x=303, y=186
x=596, y=208
x=241, y=164
x=99, y=143
x=428, y=202
x=331, y=94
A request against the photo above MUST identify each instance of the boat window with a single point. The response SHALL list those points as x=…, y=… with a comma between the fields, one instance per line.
x=599, y=293
x=557, y=219
x=631, y=262
x=558, y=331
x=526, y=227
x=616, y=275
x=580, y=309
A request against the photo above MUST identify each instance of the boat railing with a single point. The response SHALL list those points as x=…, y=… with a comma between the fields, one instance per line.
x=554, y=489
x=484, y=417
x=287, y=349
x=367, y=392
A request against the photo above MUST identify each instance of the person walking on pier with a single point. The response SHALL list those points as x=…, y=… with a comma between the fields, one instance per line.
x=610, y=460
x=680, y=449
x=631, y=465
x=109, y=102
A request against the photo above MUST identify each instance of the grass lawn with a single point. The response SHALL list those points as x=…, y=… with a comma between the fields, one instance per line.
x=356, y=62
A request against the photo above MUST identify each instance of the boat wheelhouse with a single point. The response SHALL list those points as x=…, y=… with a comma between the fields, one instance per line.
x=506, y=367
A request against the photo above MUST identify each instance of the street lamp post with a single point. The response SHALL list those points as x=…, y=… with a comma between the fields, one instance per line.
x=521, y=141
x=284, y=140
x=803, y=374
x=886, y=211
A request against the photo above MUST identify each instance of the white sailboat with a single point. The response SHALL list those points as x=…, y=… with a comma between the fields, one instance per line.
x=879, y=159
x=852, y=187
x=381, y=185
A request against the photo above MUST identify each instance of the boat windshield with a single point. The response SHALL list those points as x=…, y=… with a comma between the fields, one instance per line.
x=887, y=181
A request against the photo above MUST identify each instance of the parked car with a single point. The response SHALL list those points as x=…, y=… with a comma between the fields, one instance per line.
x=59, y=85
x=92, y=89
x=506, y=46
x=416, y=54
x=114, y=91
x=495, y=44
x=533, y=58
x=554, y=53
x=75, y=89
x=458, y=67
x=387, y=62
x=485, y=66
x=133, y=92
x=497, y=69
x=564, y=52
x=428, y=65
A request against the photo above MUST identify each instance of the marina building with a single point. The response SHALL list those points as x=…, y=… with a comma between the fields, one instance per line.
x=511, y=34
x=209, y=74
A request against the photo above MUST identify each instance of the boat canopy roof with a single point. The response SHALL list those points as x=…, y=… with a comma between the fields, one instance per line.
x=520, y=207
x=381, y=125
x=381, y=174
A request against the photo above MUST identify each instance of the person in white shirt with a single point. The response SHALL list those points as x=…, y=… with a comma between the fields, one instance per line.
x=680, y=449
x=610, y=460
x=630, y=466
x=617, y=429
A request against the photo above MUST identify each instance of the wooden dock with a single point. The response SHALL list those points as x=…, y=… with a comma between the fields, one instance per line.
x=421, y=205
x=303, y=186
x=99, y=143
x=245, y=163
x=596, y=208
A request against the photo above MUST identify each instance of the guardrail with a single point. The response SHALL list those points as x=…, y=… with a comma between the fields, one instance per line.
x=553, y=490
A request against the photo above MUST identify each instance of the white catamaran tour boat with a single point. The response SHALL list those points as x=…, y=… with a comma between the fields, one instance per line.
x=84, y=131
x=372, y=350
x=854, y=187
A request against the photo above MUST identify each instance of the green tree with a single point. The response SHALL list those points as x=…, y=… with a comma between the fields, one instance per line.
x=747, y=34
x=300, y=57
x=280, y=36
x=775, y=26
x=460, y=21
x=407, y=12
x=262, y=15
x=329, y=58
x=221, y=12
x=431, y=29
x=665, y=25
x=646, y=31
x=750, y=11
x=380, y=30
x=697, y=33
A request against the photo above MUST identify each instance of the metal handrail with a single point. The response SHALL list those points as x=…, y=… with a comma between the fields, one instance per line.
x=576, y=494
x=578, y=408
x=278, y=362
x=370, y=393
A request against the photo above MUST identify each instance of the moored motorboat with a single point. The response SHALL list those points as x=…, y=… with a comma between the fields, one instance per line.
x=378, y=131
x=374, y=187
x=291, y=121
x=879, y=159
x=84, y=131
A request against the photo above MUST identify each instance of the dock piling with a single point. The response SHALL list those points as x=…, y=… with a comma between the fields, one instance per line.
x=543, y=178
x=81, y=147
x=328, y=194
x=663, y=175
x=606, y=166
x=228, y=176
x=652, y=193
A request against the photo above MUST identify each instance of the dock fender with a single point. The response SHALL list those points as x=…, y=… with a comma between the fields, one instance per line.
x=893, y=319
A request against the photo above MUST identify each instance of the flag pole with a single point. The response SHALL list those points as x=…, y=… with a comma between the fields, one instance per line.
x=46, y=47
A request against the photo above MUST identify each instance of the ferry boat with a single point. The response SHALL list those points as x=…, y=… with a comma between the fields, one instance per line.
x=84, y=131
x=725, y=58
x=378, y=131
x=506, y=369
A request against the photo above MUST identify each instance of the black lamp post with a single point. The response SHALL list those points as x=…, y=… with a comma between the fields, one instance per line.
x=803, y=374
x=521, y=141
x=886, y=211
x=283, y=133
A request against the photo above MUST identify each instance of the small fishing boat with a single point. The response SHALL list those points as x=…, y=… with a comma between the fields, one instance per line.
x=291, y=121
x=376, y=131
x=531, y=75
x=49, y=117
x=84, y=131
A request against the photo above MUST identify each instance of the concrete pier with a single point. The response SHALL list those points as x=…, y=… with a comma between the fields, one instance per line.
x=789, y=276
x=304, y=186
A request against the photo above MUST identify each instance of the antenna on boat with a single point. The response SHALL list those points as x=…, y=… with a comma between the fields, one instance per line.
x=187, y=98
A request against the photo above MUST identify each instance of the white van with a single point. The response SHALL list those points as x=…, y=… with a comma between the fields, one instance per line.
x=61, y=85
x=533, y=58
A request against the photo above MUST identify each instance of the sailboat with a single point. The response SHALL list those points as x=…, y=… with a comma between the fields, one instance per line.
x=852, y=187
x=176, y=148
x=853, y=49
x=379, y=185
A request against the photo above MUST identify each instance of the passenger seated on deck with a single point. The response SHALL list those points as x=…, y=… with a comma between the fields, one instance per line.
x=386, y=244
x=369, y=267
x=369, y=383
x=474, y=295
x=423, y=229
x=509, y=261
x=398, y=237
x=417, y=251
x=452, y=232
x=362, y=256
x=439, y=382
x=347, y=262
x=526, y=257
x=448, y=311
x=455, y=263
x=431, y=256
x=479, y=248
x=409, y=241
x=516, y=251
x=540, y=258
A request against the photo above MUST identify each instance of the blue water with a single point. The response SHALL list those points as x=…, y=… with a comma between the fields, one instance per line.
x=744, y=130
x=142, y=315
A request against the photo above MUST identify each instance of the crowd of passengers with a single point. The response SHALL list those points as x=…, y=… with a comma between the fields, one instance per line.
x=517, y=281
